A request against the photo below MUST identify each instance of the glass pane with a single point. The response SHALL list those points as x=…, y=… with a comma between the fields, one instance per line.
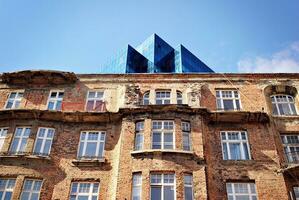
x=81, y=149
x=246, y=152
x=47, y=147
x=50, y=133
x=235, y=151
x=237, y=104
x=38, y=146
x=41, y=132
x=293, y=109
x=17, y=104
x=155, y=193
x=25, y=196
x=53, y=94
x=156, y=141
x=274, y=109
x=14, y=145
x=51, y=105
x=168, y=193
x=168, y=140
x=9, y=104
x=188, y=193
x=23, y=145
x=91, y=149
x=58, y=105
x=12, y=95
x=60, y=94
x=34, y=196
x=228, y=104
x=101, y=150
x=91, y=94
x=224, y=151
x=158, y=102
x=89, y=106
x=27, y=131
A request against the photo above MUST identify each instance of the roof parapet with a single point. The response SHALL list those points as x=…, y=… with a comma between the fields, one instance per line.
x=40, y=77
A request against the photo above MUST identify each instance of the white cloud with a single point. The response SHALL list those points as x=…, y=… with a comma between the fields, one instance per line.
x=284, y=61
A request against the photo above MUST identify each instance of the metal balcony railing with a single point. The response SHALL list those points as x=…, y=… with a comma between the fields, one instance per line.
x=292, y=157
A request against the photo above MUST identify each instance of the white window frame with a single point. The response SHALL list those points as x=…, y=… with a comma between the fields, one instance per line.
x=16, y=99
x=17, y=151
x=186, y=185
x=179, y=98
x=6, y=189
x=139, y=129
x=164, y=131
x=42, y=148
x=163, y=99
x=137, y=183
x=55, y=99
x=287, y=148
x=288, y=102
x=3, y=135
x=31, y=191
x=250, y=193
x=233, y=98
x=98, y=141
x=90, y=194
x=186, y=130
x=239, y=141
x=146, y=97
x=95, y=99
x=162, y=184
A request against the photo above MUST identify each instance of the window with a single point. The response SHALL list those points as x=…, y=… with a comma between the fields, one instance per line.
x=186, y=136
x=162, y=136
x=95, y=101
x=228, y=100
x=139, y=135
x=84, y=191
x=162, y=97
x=91, y=145
x=188, y=186
x=6, y=188
x=43, y=141
x=241, y=191
x=296, y=193
x=31, y=189
x=137, y=183
x=19, y=142
x=55, y=100
x=14, y=100
x=179, y=97
x=146, y=98
x=162, y=186
x=283, y=105
x=235, y=145
x=3, y=133
x=291, y=147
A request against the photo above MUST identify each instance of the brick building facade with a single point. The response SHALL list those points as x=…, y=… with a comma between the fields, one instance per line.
x=149, y=136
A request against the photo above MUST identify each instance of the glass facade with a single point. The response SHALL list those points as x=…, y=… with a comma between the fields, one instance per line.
x=154, y=55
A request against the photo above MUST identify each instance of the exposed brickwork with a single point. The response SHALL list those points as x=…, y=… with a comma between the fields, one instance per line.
x=122, y=96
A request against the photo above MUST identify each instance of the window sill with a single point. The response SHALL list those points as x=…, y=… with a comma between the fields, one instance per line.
x=285, y=116
x=238, y=162
x=161, y=151
x=88, y=162
x=23, y=156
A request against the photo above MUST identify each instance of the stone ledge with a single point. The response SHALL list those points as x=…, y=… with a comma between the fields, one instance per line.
x=158, y=151
x=88, y=162
x=24, y=156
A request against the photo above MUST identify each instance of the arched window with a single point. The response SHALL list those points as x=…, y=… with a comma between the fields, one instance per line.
x=179, y=97
x=146, y=98
x=283, y=105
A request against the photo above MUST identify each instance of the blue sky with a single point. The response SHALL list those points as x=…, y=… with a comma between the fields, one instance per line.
x=80, y=36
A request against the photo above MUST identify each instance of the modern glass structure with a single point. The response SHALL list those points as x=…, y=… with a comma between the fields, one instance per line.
x=154, y=55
